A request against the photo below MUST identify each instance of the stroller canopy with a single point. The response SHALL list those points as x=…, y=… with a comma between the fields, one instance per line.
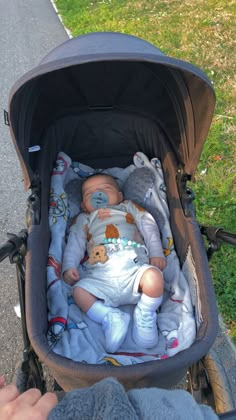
x=113, y=71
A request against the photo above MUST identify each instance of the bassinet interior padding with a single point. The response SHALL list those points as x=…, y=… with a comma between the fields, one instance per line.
x=71, y=333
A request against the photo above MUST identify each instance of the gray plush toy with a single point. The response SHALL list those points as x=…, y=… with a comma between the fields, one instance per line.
x=138, y=188
x=74, y=197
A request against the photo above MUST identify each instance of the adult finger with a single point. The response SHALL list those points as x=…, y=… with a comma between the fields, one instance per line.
x=23, y=409
x=46, y=403
x=7, y=394
x=30, y=397
x=2, y=381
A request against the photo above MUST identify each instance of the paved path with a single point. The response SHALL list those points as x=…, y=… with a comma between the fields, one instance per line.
x=28, y=31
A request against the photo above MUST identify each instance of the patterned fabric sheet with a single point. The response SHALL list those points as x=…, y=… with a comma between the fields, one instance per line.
x=71, y=333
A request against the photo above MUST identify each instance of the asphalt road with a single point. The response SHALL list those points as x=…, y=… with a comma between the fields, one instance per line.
x=29, y=29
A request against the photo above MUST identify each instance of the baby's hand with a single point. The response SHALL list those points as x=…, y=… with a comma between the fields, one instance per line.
x=158, y=262
x=71, y=276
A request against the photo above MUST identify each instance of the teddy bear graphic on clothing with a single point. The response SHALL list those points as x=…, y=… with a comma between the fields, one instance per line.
x=98, y=254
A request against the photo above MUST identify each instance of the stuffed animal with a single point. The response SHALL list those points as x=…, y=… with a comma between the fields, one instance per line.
x=138, y=188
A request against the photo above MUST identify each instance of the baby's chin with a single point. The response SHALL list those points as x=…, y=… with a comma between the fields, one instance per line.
x=90, y=209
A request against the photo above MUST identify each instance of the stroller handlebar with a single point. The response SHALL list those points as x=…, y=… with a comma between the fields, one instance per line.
x=227, y=237
x=13, y=245
x=218, y=234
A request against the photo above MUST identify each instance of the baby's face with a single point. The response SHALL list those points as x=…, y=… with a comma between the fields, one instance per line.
x=103, y=188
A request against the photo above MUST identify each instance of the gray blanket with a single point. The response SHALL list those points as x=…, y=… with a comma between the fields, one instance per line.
x=108, y=400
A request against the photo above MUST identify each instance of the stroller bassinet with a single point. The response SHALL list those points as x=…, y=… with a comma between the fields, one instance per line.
x=100, y=98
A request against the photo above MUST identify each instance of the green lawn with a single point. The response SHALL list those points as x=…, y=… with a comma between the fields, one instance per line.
x=203, y=33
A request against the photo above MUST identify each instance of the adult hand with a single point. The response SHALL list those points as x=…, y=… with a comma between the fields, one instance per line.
x=30, y=405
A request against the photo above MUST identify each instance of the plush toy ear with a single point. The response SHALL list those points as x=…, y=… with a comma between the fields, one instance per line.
x=137, y=188
x=74, y=196
x=137, y=184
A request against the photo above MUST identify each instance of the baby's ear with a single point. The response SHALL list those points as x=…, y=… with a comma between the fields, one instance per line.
x=121, y=196
x=82, y=205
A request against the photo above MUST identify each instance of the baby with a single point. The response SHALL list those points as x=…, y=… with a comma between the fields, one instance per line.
x=124, y=265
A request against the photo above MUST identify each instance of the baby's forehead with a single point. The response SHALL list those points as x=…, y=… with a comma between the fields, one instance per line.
x=99, y=179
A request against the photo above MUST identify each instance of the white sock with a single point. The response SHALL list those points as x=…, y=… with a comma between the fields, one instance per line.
x=147, y=303
x=98, y=311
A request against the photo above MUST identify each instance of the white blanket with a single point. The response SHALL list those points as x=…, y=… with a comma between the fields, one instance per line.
x=71, y=333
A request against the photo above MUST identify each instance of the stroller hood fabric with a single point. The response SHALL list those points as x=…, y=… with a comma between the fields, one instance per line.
x=115, y=71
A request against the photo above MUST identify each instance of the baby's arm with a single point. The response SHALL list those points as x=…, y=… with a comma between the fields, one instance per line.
x=71, y=276
x=152, y=239
x=73, y=253
x=159, y=262
x=151, y=234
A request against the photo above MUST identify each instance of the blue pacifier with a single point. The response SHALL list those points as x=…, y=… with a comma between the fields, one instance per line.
x=99, y=199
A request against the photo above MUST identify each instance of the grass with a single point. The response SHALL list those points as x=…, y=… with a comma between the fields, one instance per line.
x=203, y=33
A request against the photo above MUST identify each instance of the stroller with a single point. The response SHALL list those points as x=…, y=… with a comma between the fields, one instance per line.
x=99, y=98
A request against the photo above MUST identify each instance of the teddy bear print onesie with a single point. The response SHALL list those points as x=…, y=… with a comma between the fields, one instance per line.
x=119, y=241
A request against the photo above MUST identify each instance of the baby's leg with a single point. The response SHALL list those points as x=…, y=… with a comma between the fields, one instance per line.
x=151, y=283
x=88, y=303
x=151, y=286
x=114, y=322
x=83, y=298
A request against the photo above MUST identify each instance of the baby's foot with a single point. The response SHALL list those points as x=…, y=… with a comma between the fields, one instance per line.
x=145, y=328
x=115, y=326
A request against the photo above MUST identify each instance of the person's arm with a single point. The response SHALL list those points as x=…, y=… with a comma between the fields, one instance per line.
x=147, y=226
x=29, y=405
x=152, y=239
x=151, y=235
x=74, y=251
